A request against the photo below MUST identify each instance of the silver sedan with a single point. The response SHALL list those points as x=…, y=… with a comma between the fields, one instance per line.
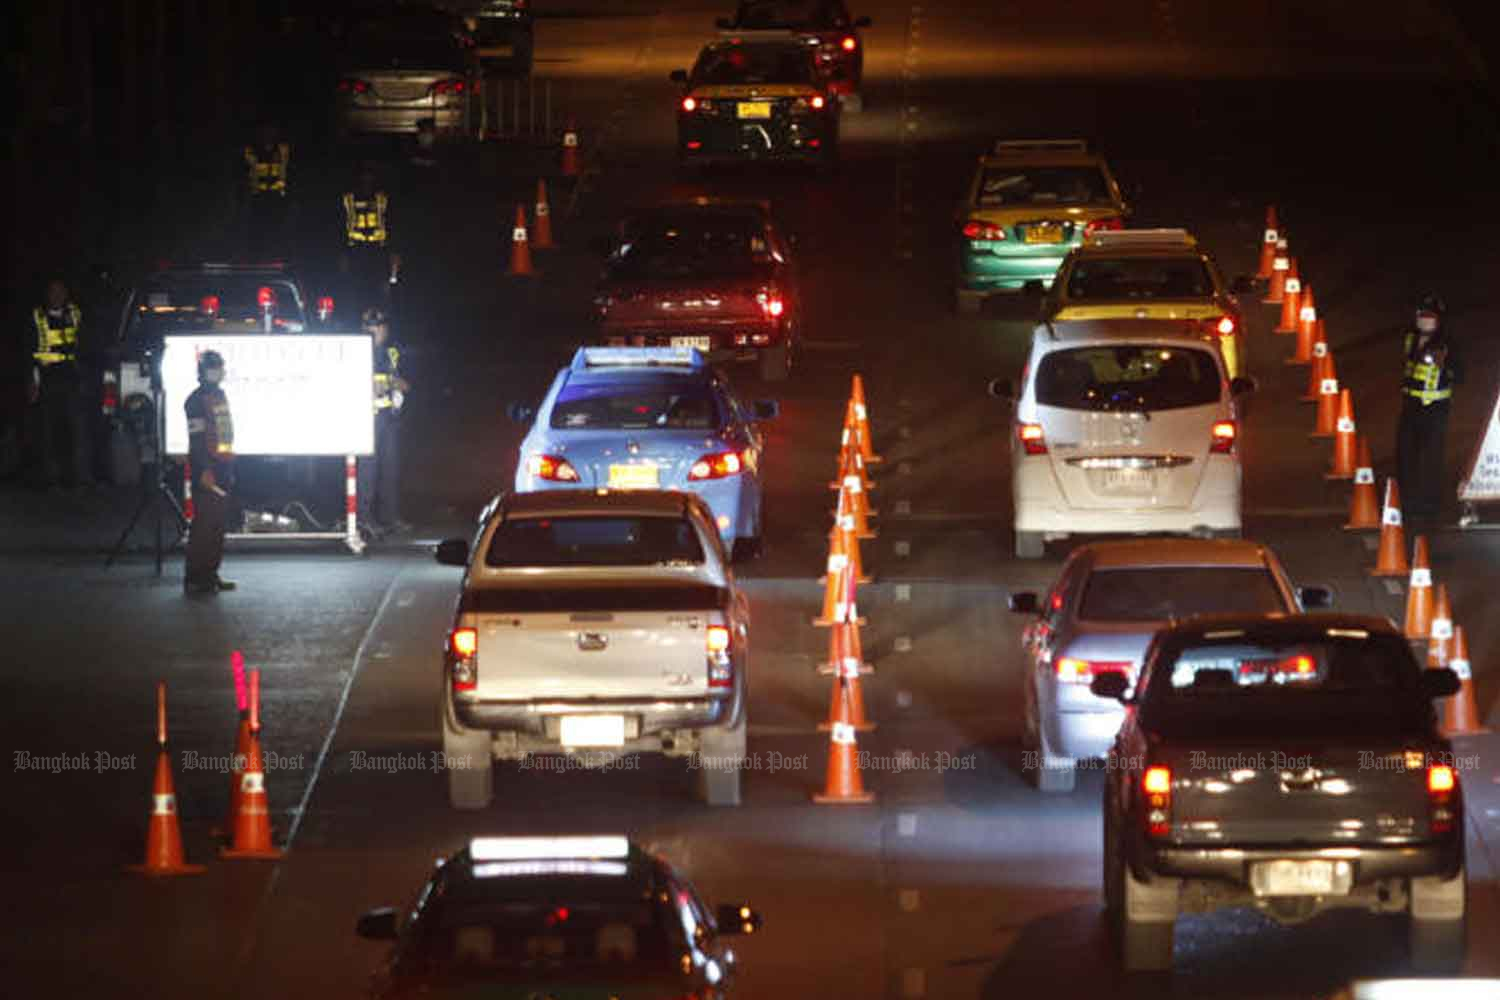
x=403, y=69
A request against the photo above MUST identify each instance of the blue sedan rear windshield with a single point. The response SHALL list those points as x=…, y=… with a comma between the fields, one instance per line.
x=617, y=407
x=1162, y=593
x=607, y=540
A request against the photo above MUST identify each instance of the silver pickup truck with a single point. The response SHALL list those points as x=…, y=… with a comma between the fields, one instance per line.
x=595, y=623
x=1289, y=763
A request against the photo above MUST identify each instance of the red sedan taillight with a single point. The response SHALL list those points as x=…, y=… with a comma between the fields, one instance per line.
x=352, y=86
x=1103, y=225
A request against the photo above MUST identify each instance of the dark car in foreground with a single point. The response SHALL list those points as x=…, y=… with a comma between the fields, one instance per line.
x=581, y=916
x=1291, y=764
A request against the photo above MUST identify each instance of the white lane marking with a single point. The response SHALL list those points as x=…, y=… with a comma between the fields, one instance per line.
x=903, y=592
x=903, y=700
x=903, y=550
x=903, y=508
x=913, y=982
x=903, y=644
x=905, y=432
x=911, y=900
x=906, y=824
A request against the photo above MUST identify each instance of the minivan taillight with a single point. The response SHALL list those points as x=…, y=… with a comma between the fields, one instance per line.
x=1032, y=439
x=1442, y=783
x=1156, y=800
x=1224, y=433
x=720, y=662
x=463, y=655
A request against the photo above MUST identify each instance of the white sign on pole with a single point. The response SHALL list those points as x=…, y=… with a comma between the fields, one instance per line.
x=1482, y=481
x=299, y=394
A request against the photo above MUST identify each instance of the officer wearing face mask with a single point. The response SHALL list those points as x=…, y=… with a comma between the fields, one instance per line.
x=1433, y=368
x=211, y=458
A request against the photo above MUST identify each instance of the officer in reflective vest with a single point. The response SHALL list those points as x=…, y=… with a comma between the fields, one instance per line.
x=211, y=458
x=266, y=163
x=55, y=390
x=367, y=257
x=379, y=476
x=1433, y=368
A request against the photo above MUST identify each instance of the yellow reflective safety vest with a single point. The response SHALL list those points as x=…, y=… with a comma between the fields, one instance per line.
x=268, y=176
x=56, y=344
x=1428, y=377
x=364, y=220
x=388, y=399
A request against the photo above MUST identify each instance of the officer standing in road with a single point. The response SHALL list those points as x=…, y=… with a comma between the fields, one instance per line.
x=55, y=390
x=211, y=454
x=1433, y=368
x=379, y=476
x=367, y=259
x=266, y=212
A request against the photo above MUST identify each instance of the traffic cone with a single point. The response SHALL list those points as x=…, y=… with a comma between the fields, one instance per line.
x=1440, y=641
x=543, y=239
x=1391, y=559
x=1461, y=712
x=237, y=773
x=844, y=524
x=520, y=251
x=1419, y=593
x=1316, y=371
x=1281, y=266
x=252, y=819
x=1268, y=246
x=854, y=504
x=1328, y=401
x=847, y=704
x=570, y=149
x=164, y=855
x=838, y=587
x=1343, y=440
x=862, y=422
x=843, y=786
x=1307, y=322
x=851, y=462
x=1364, y=509
x=1291, y=302
x=845, y=650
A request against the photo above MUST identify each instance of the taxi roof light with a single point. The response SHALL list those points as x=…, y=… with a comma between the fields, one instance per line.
x=637, y=357
x=548, y=848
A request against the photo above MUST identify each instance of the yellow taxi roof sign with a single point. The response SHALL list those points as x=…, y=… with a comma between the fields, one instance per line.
x=1133, y=238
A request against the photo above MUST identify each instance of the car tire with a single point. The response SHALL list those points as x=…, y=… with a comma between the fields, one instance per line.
x=719, y=784
x=1030, y=545
x=776, y=363
x=1439, y=945
x=1145, y=946
x=470, y=762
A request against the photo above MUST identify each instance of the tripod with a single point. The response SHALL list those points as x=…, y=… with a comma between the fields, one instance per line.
x=154, y=493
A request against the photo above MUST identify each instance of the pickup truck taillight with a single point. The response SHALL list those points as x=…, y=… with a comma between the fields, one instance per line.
x=463, y=651
x=1222, y=441
x=1442, y=782
x=717, y=466
x=109, y=398
x=1156, y=800
x=552, y=468
x=720, y=663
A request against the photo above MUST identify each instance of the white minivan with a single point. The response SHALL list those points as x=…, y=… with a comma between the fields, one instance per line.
x=1123, y=426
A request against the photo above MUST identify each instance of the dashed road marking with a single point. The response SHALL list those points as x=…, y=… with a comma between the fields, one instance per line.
x=903, y=550
x=906, y=824
x=902, y=644
x=911, y=900
x=903, y=592
x=904, y=469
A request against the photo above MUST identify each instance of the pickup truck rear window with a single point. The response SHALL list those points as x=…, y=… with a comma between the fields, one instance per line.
x=1128, y=378
x=1163, y=593
x=636, y=540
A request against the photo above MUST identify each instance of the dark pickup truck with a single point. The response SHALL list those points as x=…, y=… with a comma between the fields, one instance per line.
x=1291, y=764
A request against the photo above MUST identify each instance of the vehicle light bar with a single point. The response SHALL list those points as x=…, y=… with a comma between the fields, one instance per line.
x=1041, y=145
x=547, y=848
x=643, y=357
x=532, y=869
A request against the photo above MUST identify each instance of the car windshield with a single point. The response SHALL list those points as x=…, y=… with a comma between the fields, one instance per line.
x=747, y=64
x=614, y=406
x=1162, y=593
x=792, y=14
x=692, y=248
x=1140, y=278
x=604, y=540
x=406, y=42
x=188, y=306
x=1232, y=684
x=1005, y=186
x=1128, y=377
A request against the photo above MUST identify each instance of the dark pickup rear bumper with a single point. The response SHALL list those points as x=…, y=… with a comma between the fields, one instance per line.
x=1372, y=863
x=540, y=719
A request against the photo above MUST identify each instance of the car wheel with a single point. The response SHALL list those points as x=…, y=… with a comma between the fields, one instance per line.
x=1114, y=872
x=1030, y=545
x=721, y=764
x=1145, y=945
x=1439, y=945
x=776, y=363
x=469, y=761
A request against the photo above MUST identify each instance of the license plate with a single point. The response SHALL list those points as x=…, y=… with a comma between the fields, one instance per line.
x=592, y=730
x=1299, y=878
x=754, y=109
x=633, y=477
x=1044, y=234
x=701, y=343
x=1128, y=480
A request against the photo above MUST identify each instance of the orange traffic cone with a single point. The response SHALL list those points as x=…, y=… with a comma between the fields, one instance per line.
x=853, y=502
x=838, y=587
x=543, y=239
x=847, y=705
x=570, y=149
x=862, y=422
x=845, y=650
x=1343, y=440
x=252, y=820
x=1268, y=246
x=1419, y=593
x=844, y=526
x=1391, y=559
x=1364, y=509
x=1440, y=639
x=1328, y=401
x=852, y=463
x=1281, y=267
x=520, y=251
x=1316, y=371
x=1307, y=321
x=1461, y=712
x=1291, y=301
x=842, y=785
x=164, y=854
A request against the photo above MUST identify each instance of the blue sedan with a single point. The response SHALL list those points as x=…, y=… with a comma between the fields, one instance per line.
x=650, y=418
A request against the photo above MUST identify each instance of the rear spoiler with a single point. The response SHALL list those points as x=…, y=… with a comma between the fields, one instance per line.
x=585, y=599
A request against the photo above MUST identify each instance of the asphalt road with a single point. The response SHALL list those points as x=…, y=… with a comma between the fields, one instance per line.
x=961, y=880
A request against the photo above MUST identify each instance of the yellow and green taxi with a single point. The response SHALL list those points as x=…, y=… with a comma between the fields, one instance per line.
x=1029, y=203
x=1151, y=274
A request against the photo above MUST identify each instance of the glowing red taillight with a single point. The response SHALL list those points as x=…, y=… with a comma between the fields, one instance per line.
x=1032, y=439
x=455, y=87
x=266, y=297
x=1442, y=783
x=720, y=663
x=553, y=468
x=209, y=304
x=325, y=307
x=1156, y=796
x=1071, y=670
x=978, y=229
x=849, y=43
x=350, y=86
x=818, y=101
x=717, y=466
x=1224, y=434
x=109, y=397
x=1103, y=225
x=463, y=648
x=688, y=104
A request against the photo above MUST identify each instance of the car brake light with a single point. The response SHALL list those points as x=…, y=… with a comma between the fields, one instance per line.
x=1224, y=433
x=1156, y=788
x=209, y=304
x=718, y=638
x=978, y=229
x=353, y=86
x=1103, y=225
x=849, y=43
x=552, y=468
x=110, y=395
x=1032, y=439
x=1225, y=326
x=266, y=297
x=1442, y=782
x=449, y=87
x=818, y=101
x=717, y=466
x=325, y=307
x=1071, y=670
x=771, y=302
x=688, y=104
x=463, y=645
x=720, y=663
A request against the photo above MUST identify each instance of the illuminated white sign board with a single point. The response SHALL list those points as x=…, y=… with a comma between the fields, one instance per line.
x=297, y=394
x=1482, y=482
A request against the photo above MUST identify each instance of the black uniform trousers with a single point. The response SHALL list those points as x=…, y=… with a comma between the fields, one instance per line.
x=1420, y=437
x=59, y=430
x=378, y=476
x=205, y=547
x=267, y=223
x=368, y=280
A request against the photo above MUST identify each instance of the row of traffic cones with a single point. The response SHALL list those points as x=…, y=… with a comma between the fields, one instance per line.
x=522, y=242
x=247, y=829
x=1429, y=615
x=845, y=572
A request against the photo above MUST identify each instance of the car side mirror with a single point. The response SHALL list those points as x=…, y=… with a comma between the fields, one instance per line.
x=1033, y=286
x=1315, y=597
x=1002, y=388
x=1024, y=602
x=378, y=925
x=1242, y=385
x=767, y=409
x=863, y=22
x=737, y=918
x=1440, y=682
x=520, y=413
x=678, y=76
x=453, y=552
x=723, y=24
x=1111, y=684
x=1243, y=285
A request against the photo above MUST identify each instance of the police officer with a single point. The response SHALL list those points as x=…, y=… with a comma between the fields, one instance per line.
x=266, y=163
x=379, y=477
x=367, y=259
x=211, y=454
x=1433, y=368
x=55, y=390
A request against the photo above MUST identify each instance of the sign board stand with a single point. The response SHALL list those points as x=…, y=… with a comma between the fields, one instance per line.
x=1481, y=483
x=349, y=536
